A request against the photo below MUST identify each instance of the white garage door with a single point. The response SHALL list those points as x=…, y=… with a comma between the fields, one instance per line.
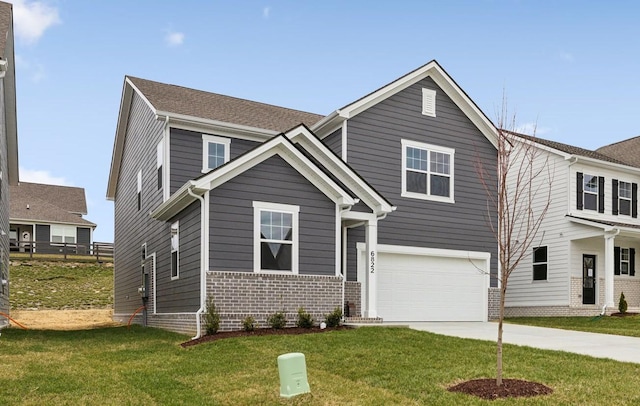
x=431, y=285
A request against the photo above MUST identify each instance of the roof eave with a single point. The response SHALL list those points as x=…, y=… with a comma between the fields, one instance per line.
x=236, y=130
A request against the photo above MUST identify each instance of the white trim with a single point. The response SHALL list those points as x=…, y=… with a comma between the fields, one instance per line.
x=429, y=148
x=338, y=243
x=428, y=102
x=258, y=207
x=432, y=252
x=343, y=136
x=213, y=139
x=175, y=226
x=220, y=128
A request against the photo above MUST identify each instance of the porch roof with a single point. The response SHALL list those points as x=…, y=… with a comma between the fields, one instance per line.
x=605, y=225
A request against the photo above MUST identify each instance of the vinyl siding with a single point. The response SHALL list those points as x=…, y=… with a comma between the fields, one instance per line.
x=374, y=150
x=43, y=232
x=4, y=204
x=334, y=142
x=275, y=181
x=186, y=155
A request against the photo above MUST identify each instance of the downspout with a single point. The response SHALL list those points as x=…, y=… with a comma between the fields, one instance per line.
x=203, y=271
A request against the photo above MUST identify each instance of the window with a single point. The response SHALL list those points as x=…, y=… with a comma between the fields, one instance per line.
x=624, y=198
x=159, y=162
x=429, y=102
x=139, y=194
x=540, y=264
x=590, y=190
x=624, y=261
x=215, y=151
x=175, y=251
x=275, y=237
x=427, y=171
x=63, y=234
x=143, y=251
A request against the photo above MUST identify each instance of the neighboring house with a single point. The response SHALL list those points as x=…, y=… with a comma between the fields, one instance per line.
x=46, y=218
x=8, y=147
x=585, y=253
x=264, y=208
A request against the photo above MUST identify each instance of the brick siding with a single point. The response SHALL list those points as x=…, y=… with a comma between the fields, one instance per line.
x=352, y=295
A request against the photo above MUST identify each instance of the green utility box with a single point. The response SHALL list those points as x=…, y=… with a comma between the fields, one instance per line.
x=293, y=375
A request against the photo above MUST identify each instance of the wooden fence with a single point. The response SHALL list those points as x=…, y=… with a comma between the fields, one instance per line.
x=101, y=251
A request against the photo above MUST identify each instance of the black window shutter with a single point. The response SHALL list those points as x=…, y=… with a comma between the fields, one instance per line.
x=579, y=203
x=600, y=194
x=632, y=261
x=634, y=200
x=614, y=199
x=616, y=260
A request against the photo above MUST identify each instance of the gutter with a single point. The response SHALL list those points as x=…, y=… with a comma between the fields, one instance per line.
x=203, y=279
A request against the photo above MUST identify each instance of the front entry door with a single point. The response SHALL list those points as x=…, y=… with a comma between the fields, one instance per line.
x=588, y=279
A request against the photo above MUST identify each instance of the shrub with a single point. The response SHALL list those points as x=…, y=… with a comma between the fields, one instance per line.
x=211, y=318
x=304, y=319
x=277, y=320
x=622, y=304
x=334, y=318
x=249, y=323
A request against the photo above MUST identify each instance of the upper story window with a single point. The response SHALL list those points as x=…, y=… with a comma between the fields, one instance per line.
x=624, y=261
x=624, y=198
x=159, y=162
x=215, y=151
x=540, y=262
x=590, y=190
x=427, y=171
x=275, y=237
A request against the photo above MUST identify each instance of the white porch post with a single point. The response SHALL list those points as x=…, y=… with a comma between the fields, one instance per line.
x=371, y=233
x=608, y=269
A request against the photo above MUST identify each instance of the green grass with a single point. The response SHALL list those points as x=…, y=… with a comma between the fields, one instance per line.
x=367, y=366
x=60, y=285
x=623, y=326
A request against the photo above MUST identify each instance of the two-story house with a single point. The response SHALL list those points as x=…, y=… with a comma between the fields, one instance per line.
x=264, y=208
x=8, y=147
x=584, y=253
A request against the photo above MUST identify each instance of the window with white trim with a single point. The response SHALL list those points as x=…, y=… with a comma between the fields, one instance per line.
x=63, y=234
x=175, y=250
x=215, y=151
x=159, y=162
x=624, y=198
x=540, y=263
x=275, y=237
x=427, y=171
x=590, y=190
x=624, y=261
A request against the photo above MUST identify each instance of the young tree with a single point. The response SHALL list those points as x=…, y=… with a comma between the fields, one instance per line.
x=523, y=197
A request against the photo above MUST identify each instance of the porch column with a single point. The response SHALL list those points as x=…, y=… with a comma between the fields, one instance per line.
x=609, y=268
x=371, y=233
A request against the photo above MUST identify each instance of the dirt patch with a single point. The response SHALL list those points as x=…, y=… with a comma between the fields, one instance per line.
x=63, y=319
x=510, y=388
x=625, y=314
x=260, y=332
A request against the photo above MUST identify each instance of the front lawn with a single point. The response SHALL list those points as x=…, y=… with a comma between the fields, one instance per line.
x=366, y=366
x=622, y=326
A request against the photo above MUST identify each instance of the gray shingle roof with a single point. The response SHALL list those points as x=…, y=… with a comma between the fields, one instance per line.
x=570, y=149
x=48, y=203
x=213, y=106
x=627, y=151
x=5, y=24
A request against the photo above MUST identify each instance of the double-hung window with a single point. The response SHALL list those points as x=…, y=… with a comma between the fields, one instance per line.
x=590, y=190
x=624, y=260
x=624, y=198
x=427, y=171
x=275, y=237
x=215, y=151
x=175, y=250
x=63, y=234
x=540, y=261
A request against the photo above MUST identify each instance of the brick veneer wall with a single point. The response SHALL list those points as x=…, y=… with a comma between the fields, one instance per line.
x=631, y=288
x=494, y=303
x=238, y=295
x=352, y=295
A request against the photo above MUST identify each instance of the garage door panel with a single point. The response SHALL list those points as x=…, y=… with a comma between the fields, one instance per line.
x=430, y=288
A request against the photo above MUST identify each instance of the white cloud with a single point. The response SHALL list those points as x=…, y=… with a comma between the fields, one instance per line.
x=32, y=18
x=40, y=176
x=266, y=12
x=174, y=39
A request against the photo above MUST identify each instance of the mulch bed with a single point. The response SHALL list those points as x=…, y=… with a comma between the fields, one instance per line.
x=627, y=314
x=260, y=332
x=511, y=388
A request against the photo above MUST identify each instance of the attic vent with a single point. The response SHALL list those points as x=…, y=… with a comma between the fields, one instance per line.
x=429, y=102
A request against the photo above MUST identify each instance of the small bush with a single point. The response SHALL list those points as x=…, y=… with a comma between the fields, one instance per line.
x=211, y=318
x=622, y=304
x=277, y=320
x=304, y=319
x=334, y=318
x=249, y=324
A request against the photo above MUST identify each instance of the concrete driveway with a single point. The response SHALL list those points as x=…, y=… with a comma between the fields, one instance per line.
x=626, y=349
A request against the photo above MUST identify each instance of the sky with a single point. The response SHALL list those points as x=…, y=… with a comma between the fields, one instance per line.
x=568, y=68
